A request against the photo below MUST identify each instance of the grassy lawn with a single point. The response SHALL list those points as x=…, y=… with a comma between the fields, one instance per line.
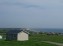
x=25, y=43
x=53, y=38
x=34, y=40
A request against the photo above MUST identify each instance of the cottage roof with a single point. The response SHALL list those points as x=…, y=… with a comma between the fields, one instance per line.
x=16, y=31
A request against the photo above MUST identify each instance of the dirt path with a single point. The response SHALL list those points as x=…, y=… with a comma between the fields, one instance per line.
x=59, y=44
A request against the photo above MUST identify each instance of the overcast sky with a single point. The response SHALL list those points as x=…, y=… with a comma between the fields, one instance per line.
x=31, y=13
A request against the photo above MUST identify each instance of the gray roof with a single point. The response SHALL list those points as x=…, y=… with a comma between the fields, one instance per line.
x=13, y=31
x=16, y=31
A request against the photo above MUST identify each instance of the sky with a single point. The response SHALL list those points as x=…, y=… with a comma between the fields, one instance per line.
x=31, y=13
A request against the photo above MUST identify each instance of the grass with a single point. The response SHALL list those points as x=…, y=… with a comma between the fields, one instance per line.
x=53, y=38
x=34, y=40
x=25, y=43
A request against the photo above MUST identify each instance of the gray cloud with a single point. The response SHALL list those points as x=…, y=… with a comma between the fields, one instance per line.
x=23, y=5
x=49, y=4
x=31, y=13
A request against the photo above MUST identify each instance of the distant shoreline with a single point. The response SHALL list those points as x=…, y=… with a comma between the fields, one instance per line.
x=41, y=29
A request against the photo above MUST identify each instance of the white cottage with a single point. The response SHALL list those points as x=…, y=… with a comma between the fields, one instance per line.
x=19, y=35
x=0, y=36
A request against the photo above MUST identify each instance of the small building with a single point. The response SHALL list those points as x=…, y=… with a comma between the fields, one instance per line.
x=0, y=36
x=19, y=35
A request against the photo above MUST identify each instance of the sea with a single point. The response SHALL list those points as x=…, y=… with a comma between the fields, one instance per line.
x=39, y=29
x=47, y=30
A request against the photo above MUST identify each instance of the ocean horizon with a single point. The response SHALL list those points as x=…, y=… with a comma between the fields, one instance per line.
x=39, y=29
x=47, y=30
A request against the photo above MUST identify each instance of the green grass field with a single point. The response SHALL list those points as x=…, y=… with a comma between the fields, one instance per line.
x=53, y=38
x=34, y=40
x=25, y=43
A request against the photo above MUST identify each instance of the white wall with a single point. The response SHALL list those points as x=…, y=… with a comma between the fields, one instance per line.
x=22, y=36
x=0, y=37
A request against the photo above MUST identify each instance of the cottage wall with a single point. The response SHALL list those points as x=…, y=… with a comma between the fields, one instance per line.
x=0, y=37
x=22, y=36
x=11, y=36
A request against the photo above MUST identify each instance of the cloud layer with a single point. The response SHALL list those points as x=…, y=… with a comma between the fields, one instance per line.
x=31, y=13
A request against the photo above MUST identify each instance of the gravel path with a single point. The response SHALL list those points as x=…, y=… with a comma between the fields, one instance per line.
x=59, y=44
